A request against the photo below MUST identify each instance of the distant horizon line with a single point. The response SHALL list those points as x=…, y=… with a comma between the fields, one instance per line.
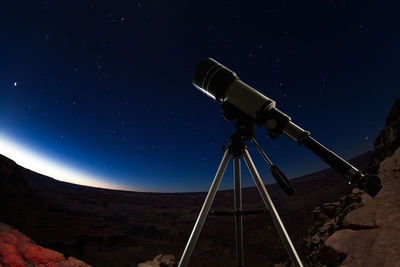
x=161, y=192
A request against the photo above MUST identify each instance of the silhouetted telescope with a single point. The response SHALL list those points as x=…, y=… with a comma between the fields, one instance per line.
x=242, y=102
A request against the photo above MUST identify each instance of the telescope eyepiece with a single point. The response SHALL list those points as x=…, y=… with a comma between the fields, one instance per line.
x=213, y=79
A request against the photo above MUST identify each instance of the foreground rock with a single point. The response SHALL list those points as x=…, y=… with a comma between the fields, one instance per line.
x=16, y=249
x=328, y=219
x=372, y=233
x=160, y=261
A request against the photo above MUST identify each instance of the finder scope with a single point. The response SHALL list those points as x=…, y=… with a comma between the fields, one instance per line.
x=240, y=100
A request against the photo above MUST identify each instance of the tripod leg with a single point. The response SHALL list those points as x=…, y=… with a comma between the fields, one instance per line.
x=238, y=212
x=271, y=208
x=204, y=211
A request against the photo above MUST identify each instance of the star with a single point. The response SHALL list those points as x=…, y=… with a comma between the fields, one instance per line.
x=15, y=84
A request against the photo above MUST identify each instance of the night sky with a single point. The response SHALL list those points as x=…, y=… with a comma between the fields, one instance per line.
x=104, y=88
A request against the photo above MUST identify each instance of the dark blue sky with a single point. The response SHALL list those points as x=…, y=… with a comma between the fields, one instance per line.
x=105, y=86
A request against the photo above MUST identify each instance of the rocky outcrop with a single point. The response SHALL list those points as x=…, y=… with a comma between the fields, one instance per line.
x=388, y=140
x=359, y=230
x=328, y=219
x=160, y=261
x=16, y=249
x=371, y=234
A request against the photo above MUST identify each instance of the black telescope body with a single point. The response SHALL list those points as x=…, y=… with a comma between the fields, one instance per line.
x=241, y=101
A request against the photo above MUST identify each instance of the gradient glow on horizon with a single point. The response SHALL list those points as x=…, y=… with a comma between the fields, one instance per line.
x=39, y=163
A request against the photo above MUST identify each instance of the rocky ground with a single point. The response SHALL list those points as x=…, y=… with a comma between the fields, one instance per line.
x=117, y=228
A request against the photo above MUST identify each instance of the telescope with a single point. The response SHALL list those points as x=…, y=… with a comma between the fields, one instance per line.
x=241, y=102
x=248, y=107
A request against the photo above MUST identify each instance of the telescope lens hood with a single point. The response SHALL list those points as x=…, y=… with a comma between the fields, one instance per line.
x=213, y=78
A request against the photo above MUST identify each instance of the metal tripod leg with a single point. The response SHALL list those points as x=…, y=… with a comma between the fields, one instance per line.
x=271, y=208
x=238, y=212
x=204, y=210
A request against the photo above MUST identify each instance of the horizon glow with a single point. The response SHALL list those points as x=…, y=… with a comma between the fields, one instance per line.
x=41, y=164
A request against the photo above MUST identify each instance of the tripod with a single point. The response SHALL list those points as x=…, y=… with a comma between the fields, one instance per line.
x=237, y=149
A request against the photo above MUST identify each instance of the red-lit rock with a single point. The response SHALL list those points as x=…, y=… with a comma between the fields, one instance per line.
x=16, y=250
x=35, y=253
